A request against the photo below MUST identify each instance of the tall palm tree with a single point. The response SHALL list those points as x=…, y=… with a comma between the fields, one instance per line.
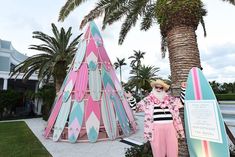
x=136, y=63
x=119, y=65
x=143, y=78
x=57, y=53
x=136, y=59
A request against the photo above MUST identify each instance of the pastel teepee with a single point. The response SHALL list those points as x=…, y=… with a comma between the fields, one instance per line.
x=90, y=105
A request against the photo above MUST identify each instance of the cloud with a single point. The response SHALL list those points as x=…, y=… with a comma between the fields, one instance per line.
x=218, y=62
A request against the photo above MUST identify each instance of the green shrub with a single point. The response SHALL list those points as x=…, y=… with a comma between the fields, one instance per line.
x=47, y=94
x=225, y=96
x=139, y=151
x=9, y=99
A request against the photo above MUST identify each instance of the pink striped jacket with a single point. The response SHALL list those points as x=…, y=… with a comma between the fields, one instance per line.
x=147, y=105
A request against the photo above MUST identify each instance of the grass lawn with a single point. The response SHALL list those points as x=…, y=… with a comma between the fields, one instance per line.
x=17, y=140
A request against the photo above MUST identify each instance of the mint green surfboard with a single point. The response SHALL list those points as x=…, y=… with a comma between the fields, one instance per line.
x=61, y=119
x=204, y=125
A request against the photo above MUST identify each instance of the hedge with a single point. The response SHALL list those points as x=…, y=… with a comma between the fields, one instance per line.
x=225, y=96
x=9, y=99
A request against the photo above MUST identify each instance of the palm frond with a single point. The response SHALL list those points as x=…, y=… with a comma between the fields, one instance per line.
x=230, y=1
x=75, y=41
x=126, y=26
x=132, y=16
x=69, y=6
x=96, y=12
x=163, y=46
x=116, y=14
x=148, y=17
x=203, y=13
x=55, y=31
x=113, y=11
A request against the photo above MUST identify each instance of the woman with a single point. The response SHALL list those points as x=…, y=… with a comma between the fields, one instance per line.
x=131, y=100
x=162, y=124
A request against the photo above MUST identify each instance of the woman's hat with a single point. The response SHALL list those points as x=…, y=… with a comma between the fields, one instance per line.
x=160, y=82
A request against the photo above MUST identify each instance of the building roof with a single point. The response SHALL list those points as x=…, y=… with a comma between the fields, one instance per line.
x=9, y=58
x=6, y=47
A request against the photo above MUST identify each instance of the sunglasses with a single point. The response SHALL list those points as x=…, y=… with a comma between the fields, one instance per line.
x=156, y=87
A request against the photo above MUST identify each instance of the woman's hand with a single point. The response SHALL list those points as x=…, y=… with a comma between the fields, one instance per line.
x=184, y=84
x=128, y=94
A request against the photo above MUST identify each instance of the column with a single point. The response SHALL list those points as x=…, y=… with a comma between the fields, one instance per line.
x=5, y=84
x=37, y=102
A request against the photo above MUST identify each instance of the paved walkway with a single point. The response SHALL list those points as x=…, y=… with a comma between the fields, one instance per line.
x=98, y=149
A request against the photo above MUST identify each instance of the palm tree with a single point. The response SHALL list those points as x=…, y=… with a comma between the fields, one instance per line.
x=119, y=65
x=228, y=87
x=215, y=86
x=57, y=53
x=143, y=77
x=136, y=59
x=136, y=63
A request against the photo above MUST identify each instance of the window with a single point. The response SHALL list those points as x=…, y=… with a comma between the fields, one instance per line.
x=12, y=67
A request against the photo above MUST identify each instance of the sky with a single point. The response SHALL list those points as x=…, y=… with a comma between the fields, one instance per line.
x=19, y=18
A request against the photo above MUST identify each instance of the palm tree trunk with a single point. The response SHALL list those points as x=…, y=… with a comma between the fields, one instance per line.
x=58, y=83
x=182, y=143
x=183, y=55
x=59, y=74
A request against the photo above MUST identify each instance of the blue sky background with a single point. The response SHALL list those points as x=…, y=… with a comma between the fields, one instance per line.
x=19, y=18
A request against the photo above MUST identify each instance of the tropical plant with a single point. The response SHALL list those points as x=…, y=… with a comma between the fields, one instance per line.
x=168, y=80
x=216, y=87
x=119, y=64
x=57, y=53
x=136, y=59
x=9, y=100
x=136, y=63
x=142, y=77
x=139, y=151
x=47, y=93
x=228, y=87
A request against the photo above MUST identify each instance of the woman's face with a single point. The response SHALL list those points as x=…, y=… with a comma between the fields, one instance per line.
x=158, y=88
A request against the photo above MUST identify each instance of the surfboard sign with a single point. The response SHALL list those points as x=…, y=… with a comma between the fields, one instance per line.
x=204, y=125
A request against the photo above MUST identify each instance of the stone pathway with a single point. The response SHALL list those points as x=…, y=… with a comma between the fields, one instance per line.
x=98, y=149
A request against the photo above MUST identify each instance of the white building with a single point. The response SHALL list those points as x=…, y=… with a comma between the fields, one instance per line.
x=9, y=58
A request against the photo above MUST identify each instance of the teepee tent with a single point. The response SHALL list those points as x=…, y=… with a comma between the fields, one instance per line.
x=90, y=105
